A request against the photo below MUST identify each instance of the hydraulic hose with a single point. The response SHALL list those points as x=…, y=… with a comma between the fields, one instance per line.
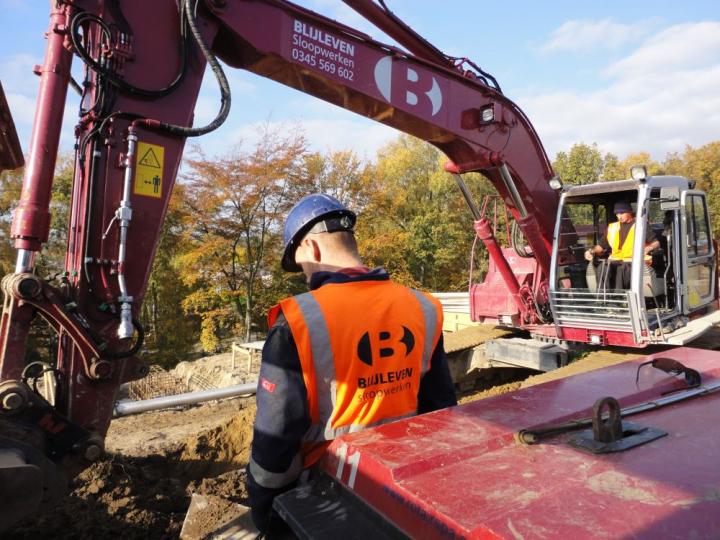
x=108, y=75
x=225, y=98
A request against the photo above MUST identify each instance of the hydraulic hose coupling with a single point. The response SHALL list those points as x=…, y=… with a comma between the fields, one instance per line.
x=126, y=329
x=124, y=216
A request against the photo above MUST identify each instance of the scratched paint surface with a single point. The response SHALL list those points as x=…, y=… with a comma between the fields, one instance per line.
x=458, y=473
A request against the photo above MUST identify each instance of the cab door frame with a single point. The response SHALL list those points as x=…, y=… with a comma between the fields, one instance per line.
x=698, y=251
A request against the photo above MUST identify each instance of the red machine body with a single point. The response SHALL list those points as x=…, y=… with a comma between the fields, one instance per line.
x=128, y=157
x=144, y=66
x=461, y=472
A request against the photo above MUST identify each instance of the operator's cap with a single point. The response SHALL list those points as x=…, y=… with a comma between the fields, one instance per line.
x=622, y=207
x=313, y=214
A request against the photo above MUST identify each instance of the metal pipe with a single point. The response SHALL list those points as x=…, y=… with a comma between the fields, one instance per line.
x=124, y=215
x=399, y=31
x=31, y=221
x=127, y=407
x=468, y=197
x=533, y=436
x=512, y=189
x=25, y=261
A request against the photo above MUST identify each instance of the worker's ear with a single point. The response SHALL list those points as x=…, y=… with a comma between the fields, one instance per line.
x=308, y=251
x=315, y=251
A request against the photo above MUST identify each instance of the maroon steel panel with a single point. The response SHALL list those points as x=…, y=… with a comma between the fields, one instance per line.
x=458, y=473
x=150, y=60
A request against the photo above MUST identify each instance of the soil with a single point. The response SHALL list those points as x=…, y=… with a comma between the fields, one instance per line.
x=157, y=460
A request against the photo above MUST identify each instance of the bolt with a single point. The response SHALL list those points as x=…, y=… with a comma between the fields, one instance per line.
x=92, y=452
x=12, y=401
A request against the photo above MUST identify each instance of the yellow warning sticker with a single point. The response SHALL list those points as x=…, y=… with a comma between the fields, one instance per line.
x=149, y=170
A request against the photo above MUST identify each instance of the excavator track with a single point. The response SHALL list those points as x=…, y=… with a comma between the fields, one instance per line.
x=472, y=336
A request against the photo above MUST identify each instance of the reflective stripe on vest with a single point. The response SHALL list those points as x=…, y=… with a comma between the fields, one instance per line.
x=624, y=253
x=313, y=337
x=269, y=479
x=323, y=362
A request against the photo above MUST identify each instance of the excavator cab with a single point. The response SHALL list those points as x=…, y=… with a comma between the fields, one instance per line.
x=669, y=295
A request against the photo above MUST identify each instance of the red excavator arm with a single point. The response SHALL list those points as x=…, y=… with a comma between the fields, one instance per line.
x=144, y=63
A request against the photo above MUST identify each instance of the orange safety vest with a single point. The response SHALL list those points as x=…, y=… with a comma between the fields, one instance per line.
x=363, y=348
x=624, y=253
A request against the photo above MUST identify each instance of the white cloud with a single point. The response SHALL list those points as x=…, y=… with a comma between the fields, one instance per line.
x=361, y=136
x=680, y=46
x=606, y=34
x=662, y=96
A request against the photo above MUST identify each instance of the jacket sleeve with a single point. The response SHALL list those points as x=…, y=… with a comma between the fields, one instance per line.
x=437, y=390
x=281, y=420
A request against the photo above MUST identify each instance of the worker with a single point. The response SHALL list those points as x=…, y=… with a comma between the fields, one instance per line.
x=617, y=246
x=356, y=351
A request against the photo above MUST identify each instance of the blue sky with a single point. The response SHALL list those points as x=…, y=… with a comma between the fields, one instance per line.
x=630, y=76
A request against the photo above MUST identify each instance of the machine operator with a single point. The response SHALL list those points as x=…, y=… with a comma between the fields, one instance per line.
x=356, y=351
x=617, y=246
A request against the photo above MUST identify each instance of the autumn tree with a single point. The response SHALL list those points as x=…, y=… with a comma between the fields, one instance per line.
x=170, y=332
x=234, y=208
x=416, y=223
x=340, y=174
x=10, y=186
x=51, y=260
x=620, y=169
x=585, y=164
x=702, y=165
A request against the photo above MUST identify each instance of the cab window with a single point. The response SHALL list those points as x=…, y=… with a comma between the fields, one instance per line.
x=698, y=227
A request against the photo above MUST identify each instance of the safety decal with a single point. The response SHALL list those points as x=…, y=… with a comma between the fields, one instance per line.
x=149, y=170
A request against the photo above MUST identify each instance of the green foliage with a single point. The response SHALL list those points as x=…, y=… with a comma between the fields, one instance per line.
x=618, y=170
x=171, y=332
x=416, y=223
x=702, y=165
x=51, y=260
x=10, y=185
x=585, y=164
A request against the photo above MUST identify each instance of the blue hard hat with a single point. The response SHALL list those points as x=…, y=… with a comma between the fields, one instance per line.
x=305, y=215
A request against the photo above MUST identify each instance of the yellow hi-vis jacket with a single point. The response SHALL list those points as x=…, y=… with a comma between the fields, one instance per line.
x=624, y=252
x=363, y=348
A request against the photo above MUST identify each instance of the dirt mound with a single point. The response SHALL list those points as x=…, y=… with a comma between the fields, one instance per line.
x=221, y=449
x=119, y=497
x=148, y=496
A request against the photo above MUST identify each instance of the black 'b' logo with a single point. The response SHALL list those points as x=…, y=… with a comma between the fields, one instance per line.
x=384, y=345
